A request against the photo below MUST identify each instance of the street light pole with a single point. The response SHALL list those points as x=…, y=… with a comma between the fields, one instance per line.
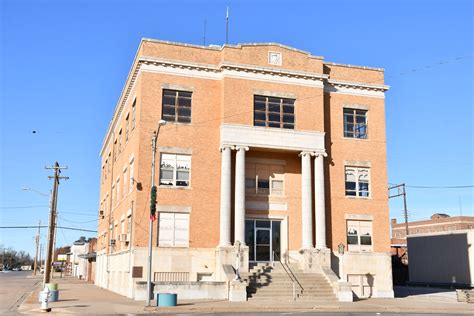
x=150, y=228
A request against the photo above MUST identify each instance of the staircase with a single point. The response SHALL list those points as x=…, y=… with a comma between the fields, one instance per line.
x=267, y=282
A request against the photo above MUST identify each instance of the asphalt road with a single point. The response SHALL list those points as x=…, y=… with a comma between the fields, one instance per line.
x=15, y=286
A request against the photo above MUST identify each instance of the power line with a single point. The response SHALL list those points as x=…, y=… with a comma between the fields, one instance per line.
x=400, y=74
x=60, y=227
x=440, y=187
x=30, y=206
x=76, y=222
x=74, y=213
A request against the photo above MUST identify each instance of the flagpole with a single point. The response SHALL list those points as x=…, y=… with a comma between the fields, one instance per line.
x=227, y=26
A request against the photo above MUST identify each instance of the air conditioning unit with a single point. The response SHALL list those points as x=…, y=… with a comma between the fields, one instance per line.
x=112, y=242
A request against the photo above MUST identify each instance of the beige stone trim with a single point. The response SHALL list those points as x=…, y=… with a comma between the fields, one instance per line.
x=265, y=206
x=356, y=106
x=265, y=216
x=177, y=87
x=274, y=138
x=268, y=93
x=129, y=212
x=122, y=218
x=176, y=150
x=359, y=217
x=265, y=161
x=357, y=163
x=354, y=66
x=173, y=209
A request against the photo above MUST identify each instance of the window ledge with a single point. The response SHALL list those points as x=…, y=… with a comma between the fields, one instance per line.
x=358, y=197
x=179, y=123
x=355, y=138
x=174, y=187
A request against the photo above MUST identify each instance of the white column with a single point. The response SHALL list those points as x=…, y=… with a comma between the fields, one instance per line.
x=225, y=196
x=239, y=233
x=306, y=207
x=319, y=200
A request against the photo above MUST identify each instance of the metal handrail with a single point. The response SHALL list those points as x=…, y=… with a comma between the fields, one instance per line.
x=291, y=275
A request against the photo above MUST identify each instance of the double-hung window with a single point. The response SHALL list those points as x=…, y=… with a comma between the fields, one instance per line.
x=264, y=179
x=273, y=112
x=173, y=230
x=359, y=235
x=355, y=123
x=175, y=170
x=357, y=181
x=134, y=114
x=176, y=106
x=127, y=127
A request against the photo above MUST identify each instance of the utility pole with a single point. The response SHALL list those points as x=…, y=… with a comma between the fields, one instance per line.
x=35, y=266
x=40, y=256
x=400, y=190
x=52, y=220
x=153, y=195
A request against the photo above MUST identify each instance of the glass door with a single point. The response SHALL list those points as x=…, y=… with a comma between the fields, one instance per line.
x=263, y=244
x=263, y=239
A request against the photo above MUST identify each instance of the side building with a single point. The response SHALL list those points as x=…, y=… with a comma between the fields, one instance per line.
x=268, y=151
x=439, y=223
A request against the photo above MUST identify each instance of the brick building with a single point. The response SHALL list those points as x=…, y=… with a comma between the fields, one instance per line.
x=265, y=145
x=438, y=224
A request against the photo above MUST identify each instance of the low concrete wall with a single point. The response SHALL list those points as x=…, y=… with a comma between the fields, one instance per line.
x=377, y=265
x=194, y=290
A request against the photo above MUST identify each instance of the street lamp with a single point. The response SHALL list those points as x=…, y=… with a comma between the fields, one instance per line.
x=152, y=207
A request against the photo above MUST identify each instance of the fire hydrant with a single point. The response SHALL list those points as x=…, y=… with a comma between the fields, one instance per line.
x=44, y=298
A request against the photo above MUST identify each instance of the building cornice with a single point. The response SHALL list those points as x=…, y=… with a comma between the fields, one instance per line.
x=358, y=85
x=211, y=71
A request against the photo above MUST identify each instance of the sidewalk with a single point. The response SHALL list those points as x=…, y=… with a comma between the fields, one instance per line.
x=78, y=297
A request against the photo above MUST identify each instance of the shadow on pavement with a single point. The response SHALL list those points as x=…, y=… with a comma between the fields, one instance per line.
x=405, y=291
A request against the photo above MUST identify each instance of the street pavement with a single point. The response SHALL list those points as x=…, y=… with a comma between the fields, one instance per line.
x=15, y=286
x=78, y=297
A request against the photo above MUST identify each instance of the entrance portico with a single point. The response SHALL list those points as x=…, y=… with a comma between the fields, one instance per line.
x=310, y=147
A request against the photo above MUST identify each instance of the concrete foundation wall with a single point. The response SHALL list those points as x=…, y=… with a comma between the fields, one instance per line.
x=377, y=266
x=195, y=290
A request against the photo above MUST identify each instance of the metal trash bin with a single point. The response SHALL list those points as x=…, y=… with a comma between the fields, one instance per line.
x=53, y=296
x=166, y=299
x=53, y=292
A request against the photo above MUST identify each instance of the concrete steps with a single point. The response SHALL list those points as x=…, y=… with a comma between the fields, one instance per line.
x=267, y=282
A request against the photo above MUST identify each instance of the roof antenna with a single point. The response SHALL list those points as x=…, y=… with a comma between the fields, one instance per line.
x=227, y=26
x=204, y=37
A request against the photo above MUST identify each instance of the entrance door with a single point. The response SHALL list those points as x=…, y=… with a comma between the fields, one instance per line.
x=263, y=239
x=263, y=244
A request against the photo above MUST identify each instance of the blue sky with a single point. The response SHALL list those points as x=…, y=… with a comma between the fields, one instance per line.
x=63, y=65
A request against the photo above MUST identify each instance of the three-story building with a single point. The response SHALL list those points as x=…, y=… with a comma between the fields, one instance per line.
x=265, y=146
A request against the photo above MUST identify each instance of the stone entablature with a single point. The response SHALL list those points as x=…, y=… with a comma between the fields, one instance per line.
x=218, y=71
